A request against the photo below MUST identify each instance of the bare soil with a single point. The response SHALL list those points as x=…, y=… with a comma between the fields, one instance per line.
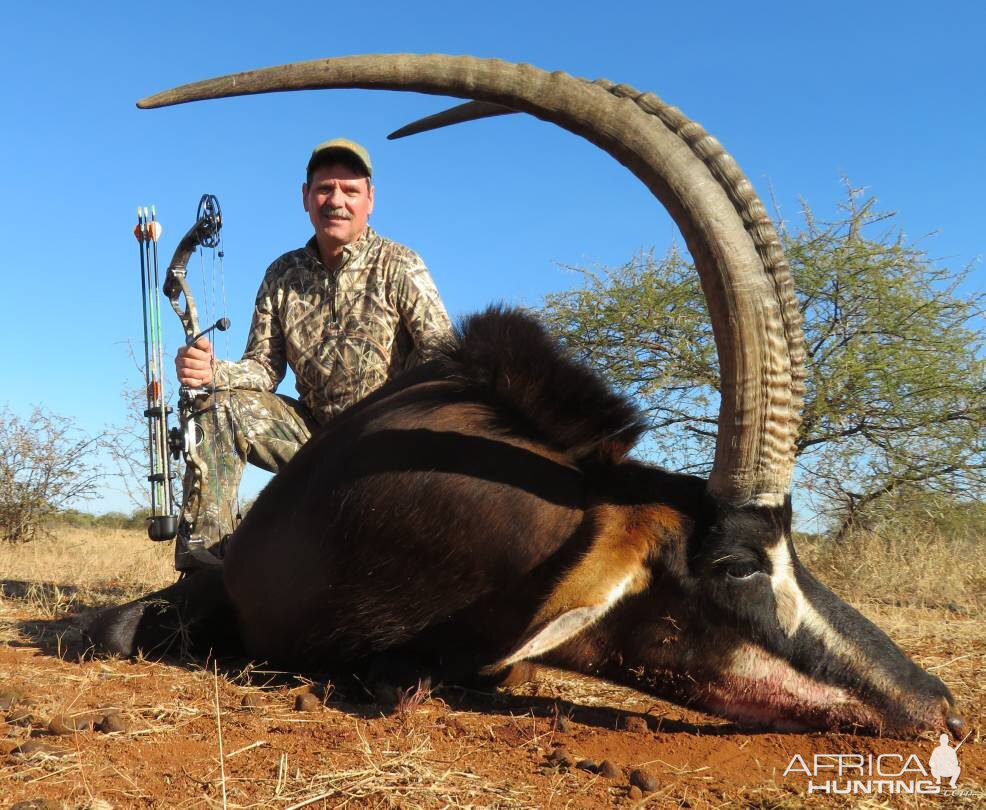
x=204, y=734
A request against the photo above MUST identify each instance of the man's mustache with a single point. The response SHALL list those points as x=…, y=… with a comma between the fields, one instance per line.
x=336, y=212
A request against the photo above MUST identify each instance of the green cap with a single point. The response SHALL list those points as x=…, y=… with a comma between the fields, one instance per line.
x=343, y=145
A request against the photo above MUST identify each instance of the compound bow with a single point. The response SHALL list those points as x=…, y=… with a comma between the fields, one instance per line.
x=182, y=441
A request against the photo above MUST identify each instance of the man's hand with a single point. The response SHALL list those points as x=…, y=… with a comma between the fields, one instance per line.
x=194, y=363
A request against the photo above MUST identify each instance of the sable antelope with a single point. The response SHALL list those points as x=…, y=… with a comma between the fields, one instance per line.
x=480, y=511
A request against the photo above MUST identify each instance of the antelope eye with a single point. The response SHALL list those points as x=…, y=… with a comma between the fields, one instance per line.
x=741, y=570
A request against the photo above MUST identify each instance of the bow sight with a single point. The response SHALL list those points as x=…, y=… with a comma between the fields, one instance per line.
x=165, y=444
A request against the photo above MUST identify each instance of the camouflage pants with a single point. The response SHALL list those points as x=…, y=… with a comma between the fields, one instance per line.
x=258, y=427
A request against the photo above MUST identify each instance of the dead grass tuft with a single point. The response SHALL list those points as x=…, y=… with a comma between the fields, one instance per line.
x=84, y=566
x=903, y=564
x=410, y=776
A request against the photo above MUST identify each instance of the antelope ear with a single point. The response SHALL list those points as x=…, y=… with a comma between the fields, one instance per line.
x=562, y=628
x=614, y=567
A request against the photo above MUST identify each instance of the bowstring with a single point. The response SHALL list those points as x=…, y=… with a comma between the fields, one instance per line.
x=217, y=266
x=222, y=292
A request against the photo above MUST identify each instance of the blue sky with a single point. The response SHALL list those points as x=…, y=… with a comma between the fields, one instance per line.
x=887, y=94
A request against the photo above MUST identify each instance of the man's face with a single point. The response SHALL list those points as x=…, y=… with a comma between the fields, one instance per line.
x=338, y=202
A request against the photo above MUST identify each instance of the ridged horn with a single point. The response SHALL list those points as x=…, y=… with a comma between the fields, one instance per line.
x=746, y=280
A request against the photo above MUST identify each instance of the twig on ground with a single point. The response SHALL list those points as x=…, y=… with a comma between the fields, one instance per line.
x=219, y=732
x=256, y=744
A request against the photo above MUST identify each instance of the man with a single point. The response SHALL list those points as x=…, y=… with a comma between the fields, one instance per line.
x=347, y=312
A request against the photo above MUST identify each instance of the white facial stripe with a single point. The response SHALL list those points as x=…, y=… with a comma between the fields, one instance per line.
x=794, y=611
x=787, y=593
x=756, y=664
x=856, y=659
x=831, y=640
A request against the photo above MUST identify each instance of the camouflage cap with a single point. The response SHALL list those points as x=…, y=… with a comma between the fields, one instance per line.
x=344, y=145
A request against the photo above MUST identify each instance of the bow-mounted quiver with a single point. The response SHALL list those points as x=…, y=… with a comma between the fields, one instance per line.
x=165, y=444
x=163, y=522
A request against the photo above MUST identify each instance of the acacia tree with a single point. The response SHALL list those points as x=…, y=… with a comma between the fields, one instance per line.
x=896, y=391
x=45, y=464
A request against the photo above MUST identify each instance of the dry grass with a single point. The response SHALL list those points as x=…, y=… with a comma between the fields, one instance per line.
x=404, y=771
x=84, y=566
x=905, y=565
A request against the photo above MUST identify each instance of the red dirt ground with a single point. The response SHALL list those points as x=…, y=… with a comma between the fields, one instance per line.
x=450, y=749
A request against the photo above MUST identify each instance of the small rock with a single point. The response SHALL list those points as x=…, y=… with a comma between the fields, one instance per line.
x=611, y=771
x=587, y=765
x=635, y=793
x=63, y=724
x=34, y=746
x=10, y=698
x=38, y=804
x=112, y=722
x=561, y=758
x=643, y=780
x=306, y=702
x=59, y=726
x=252, y=700
x=635, y=724
x=20, y=717
x=455, y=728
x=563, y=725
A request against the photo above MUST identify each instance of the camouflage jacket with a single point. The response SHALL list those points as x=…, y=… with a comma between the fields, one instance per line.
x=344, y=332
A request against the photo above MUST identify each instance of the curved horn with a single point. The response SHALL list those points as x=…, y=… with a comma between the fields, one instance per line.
x=470, y=111
x=746, y=280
